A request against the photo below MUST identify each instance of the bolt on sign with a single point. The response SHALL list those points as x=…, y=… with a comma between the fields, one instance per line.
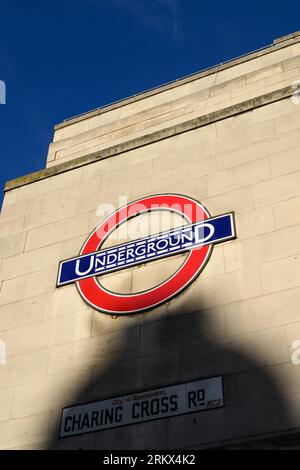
x=175, y=400
x=197, y=238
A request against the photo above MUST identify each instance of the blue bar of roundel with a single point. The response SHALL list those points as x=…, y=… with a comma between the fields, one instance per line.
x=221, y=226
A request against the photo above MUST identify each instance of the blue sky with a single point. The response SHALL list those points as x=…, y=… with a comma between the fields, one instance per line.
x=60, y=58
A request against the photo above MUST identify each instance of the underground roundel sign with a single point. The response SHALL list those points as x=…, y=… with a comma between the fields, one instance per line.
x=197, y=238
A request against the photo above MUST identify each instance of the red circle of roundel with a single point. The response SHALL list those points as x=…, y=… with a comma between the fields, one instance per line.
x=123, y=304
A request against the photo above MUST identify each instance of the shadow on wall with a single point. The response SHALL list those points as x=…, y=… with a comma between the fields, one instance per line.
x=180, y=343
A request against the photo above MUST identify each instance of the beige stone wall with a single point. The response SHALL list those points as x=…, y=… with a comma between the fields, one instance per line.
x=239, y=319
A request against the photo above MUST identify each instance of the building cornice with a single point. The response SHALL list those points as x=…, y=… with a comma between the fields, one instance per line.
x=279, y=43
x=153, y=137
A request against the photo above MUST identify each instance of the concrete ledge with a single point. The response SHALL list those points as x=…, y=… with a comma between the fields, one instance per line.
x=279, y=43
x=147, y=139
x=287, y=37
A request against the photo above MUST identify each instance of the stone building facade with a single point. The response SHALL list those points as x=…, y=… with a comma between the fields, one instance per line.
x=228, y=137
